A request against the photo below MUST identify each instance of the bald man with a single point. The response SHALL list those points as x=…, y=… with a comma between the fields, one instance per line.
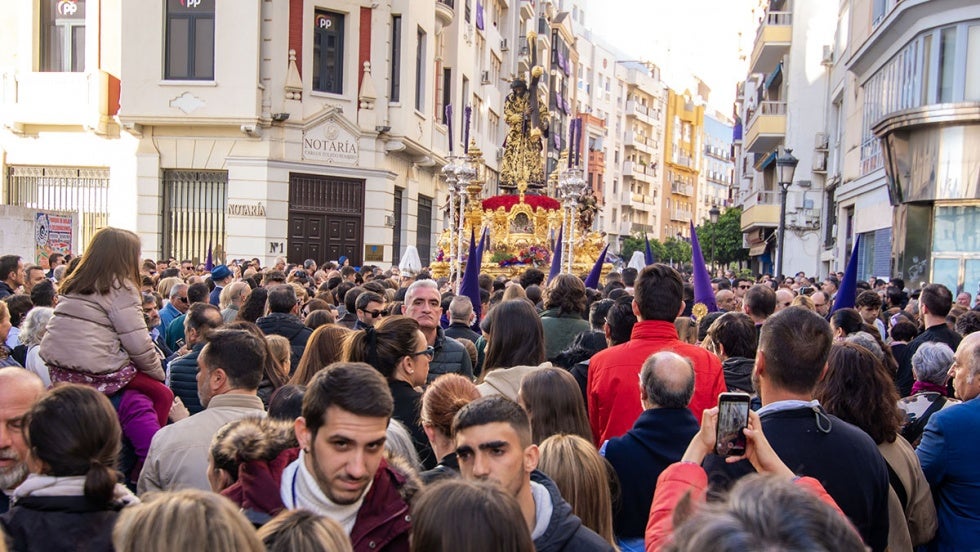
x=19, y=390
x=784, y=298
x=658, y=438
x=726, y=300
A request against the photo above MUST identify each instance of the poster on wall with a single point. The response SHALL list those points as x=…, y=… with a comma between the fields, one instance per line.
x=52, y=234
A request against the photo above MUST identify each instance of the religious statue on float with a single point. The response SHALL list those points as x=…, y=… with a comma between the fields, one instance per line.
x=526, y=115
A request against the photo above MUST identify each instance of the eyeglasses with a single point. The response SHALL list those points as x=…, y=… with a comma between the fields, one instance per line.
x=374, y=313
x=181, y=299
x=429, y=352
x=741, y=286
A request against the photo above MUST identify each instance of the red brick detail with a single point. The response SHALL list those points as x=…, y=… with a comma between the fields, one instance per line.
x=296, y=32
x=363, y=45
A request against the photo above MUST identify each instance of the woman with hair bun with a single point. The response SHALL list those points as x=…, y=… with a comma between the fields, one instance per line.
x=397, y=348
x=445, y=396
x=72, y=497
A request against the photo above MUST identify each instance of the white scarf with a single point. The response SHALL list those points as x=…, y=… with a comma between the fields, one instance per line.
x=49, y=485
x=300, y=490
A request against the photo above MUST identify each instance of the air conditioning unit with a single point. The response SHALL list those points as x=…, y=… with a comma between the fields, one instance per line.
x=503, y=45
x=485, y=77
x=828, y=54
x=523, y=51
x=821, y=141
x=500, y=154
x=820, y=161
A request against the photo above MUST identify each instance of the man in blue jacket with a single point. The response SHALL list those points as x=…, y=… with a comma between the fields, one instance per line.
x=948, y=453
x=658, y=439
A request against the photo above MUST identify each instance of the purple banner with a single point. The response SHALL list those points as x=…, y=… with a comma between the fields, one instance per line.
x=479, y=15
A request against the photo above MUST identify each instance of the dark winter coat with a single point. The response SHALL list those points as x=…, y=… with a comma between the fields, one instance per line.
x=48, y=523
x=183, y=379
x=450, y=358
x=290, y=327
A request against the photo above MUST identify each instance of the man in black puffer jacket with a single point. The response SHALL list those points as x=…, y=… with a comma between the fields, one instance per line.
x=201, y=320
x=283, y=319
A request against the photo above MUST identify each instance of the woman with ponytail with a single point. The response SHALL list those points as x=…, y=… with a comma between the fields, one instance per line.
x=397, y=348
x=72, y=497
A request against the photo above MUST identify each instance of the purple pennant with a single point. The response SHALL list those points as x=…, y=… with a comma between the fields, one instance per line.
x=702, y=281
x=479, y=15
x=593, y=279
x=556, y=257
x=467, y=113
x=847, y=293
x=470, y=286
x=449, y=125
x=209, y=263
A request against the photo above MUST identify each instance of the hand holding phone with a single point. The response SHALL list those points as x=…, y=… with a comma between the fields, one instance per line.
x=733, y=418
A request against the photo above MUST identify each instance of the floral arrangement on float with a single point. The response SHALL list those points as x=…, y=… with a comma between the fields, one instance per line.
x=534, y=255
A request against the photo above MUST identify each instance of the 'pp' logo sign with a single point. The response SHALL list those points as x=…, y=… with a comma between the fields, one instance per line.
x=190, y=3
x=67, y=7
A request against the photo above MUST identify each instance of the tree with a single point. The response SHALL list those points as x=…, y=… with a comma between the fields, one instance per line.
x=676, y=251
x=636, y=243
x=721, y=242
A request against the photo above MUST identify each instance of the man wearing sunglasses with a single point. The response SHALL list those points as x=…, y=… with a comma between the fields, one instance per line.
x=176, y=306
x=369, y=307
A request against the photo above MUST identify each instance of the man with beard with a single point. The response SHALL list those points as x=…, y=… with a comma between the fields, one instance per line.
x=19, y=390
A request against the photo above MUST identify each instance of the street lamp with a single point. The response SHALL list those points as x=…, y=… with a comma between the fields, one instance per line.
x=785, y=167
x=713, y=214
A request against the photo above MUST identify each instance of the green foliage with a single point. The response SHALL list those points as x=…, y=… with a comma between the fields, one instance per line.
x=722, y=242
x=636, y=243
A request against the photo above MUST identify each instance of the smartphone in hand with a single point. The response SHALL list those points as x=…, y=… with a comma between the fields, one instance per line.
x=733, y=417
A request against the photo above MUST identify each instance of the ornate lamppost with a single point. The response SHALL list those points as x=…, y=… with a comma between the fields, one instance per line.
x=785, y=167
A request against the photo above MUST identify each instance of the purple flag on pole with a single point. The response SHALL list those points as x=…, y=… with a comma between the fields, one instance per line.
x=479, y=15
x=593, y=279
x=556, y=257
x=470, y=287
x=847, y=293
x=209, y=263
x=702, y=280
x=648, y=254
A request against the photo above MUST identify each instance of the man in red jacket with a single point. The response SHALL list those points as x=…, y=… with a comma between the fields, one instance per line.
x=614, y=396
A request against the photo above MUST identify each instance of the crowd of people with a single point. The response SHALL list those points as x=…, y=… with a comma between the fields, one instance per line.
x=163, y=405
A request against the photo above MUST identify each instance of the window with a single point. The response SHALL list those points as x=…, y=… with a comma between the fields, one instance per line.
x=63, y=36
x=447, y=93
x=84, y=191
x=190, y=40
x=328, y=52
x=420, y=70
x=396, y=58
x=972, y=92
x=194, y=207
x=947, y=64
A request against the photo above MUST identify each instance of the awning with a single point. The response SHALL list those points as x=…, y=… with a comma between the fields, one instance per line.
x=768, y=159
x=774, y=75
x=757, y=249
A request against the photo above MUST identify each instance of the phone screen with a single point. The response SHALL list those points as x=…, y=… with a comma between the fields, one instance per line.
x=733, y=416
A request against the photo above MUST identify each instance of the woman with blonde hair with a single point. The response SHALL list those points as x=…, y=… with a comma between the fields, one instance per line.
x=281, y=351
x=803, y=301
x=581, y=475
x=514, y=291
x=189, y=520
x=442, y=400
x=324, y=347
x=303, y=531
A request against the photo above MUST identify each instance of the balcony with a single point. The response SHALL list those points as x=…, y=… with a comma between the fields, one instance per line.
x=633, y=109
x=681, y=215
x=445, y=10
x=684, y=161
x=760, y=210
x=767, y=127
x=640, y=172
x=626, y=199
x=65, y=99
x=625, y=228
x=642, y=202
x=527, y=9
x=680, y=188
x=641, y=143
x=772, y=41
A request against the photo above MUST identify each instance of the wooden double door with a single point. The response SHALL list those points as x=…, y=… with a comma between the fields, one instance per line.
x=326, y=218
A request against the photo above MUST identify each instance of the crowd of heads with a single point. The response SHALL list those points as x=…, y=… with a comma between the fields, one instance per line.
x=335, y=411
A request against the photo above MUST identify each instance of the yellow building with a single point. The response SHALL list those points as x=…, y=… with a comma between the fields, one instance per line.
x=683, y=137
